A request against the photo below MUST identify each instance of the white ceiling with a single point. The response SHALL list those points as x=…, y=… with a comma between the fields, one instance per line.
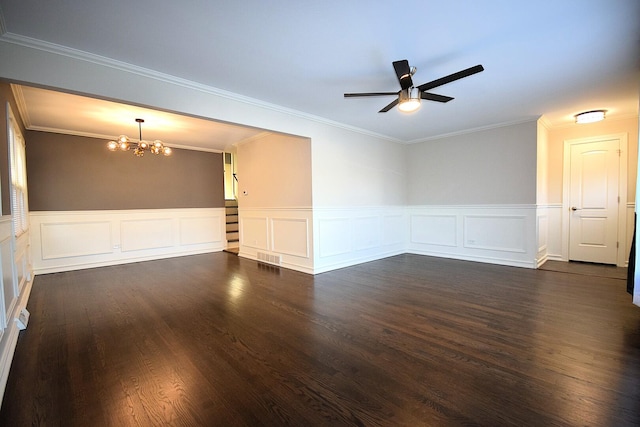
x=546, y=57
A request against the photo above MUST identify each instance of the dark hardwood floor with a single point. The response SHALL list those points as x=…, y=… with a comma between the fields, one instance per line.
x=217, y=340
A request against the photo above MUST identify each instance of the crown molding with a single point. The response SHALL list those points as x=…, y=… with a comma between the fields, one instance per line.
x=70, y=132
x=111, y=137
x=80, y=55
x=472, y=130
x=545, y=122
x=18, y=94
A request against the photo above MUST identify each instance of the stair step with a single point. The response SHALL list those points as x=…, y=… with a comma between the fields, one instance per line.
x=231, y=218
x=233, y=236
x=231, y=203
x=231, y=227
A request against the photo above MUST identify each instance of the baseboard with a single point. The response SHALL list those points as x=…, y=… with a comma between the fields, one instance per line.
x=83, y=266
x=355, y=261
x=485, y=260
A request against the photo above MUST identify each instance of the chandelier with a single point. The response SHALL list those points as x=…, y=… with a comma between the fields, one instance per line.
x=125, y=144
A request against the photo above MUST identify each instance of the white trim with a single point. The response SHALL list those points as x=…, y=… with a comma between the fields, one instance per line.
x=621, y=260
x=53, y=48
x=472, y=130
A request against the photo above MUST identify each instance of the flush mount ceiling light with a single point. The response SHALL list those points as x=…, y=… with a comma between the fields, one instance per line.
x=590, y=116
x=139, y=147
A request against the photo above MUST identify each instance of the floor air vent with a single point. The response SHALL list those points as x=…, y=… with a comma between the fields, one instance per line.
x=269, y=258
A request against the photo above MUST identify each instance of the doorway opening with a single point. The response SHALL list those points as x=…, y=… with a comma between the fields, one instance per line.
x=231, y=204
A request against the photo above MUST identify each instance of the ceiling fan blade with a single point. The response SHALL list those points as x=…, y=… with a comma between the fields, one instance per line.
x=450, y=78
x=403, y=71
x=353, y=95
x=390, y=106
x=435, y=97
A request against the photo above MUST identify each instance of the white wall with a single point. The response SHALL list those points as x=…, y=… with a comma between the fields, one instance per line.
x=542, y=193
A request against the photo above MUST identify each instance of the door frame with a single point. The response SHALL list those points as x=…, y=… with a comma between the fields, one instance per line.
x=621, y=256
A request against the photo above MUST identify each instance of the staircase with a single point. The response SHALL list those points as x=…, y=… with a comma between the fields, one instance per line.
x=233, y=235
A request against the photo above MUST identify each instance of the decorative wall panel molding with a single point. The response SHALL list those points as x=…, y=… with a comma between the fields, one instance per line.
x=277, y=236
x=196, y=231
x=254, y=232
x=363, y=238
x=497, y=234
x=290, y=236
x=439, y=230
x=73, y=240
x=141, y=234
x=349, y=236
x=334, y=237
x=393, y=229
x=502, y=233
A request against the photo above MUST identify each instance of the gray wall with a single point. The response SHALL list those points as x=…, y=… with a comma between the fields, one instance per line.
x=494, y=166
x=67, y=173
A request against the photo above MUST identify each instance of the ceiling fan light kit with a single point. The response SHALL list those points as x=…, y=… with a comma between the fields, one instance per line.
x=125, y=144
x=409, y=98
x=591, y=116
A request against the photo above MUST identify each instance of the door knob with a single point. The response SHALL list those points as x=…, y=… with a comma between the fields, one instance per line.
x=573, y=208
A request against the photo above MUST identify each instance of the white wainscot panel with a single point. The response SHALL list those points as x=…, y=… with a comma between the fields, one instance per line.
x=393, y=230
x=365, y=233
x=334, y=236
x=434, y=229
x=496, y=233
x=136, y=235
x=543, y=232
x=62, y=240
x=9, y=288
x=554, y=232
x=290, y=236
x=195, y=231
x=254, y=233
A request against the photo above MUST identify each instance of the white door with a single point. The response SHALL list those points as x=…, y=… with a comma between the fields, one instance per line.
x=594, y=201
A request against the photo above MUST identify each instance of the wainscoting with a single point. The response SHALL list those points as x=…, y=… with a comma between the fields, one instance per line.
x=311, y=240
x=281, y=237
x=15, y=281
x=63, y=241
x=350, y=236
x=324, y=239
x=496, y=234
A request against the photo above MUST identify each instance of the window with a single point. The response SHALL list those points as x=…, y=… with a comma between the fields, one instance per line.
x=19, y=204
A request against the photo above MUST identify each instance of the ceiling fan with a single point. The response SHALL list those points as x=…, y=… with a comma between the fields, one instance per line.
x=409, y=97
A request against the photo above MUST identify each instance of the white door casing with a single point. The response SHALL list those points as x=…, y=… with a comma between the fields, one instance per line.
x=594, y=221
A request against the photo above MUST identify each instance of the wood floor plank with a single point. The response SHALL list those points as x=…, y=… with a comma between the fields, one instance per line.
x=215, y=339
